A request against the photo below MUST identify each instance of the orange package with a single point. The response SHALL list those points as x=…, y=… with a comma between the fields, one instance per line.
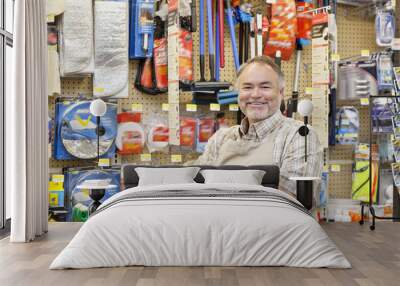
x=130, y=137
x=282, y=30
x=304, y=20
x=185, y=57
x=187, y=131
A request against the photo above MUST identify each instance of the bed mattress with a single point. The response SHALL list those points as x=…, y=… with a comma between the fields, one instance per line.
x=201, y=225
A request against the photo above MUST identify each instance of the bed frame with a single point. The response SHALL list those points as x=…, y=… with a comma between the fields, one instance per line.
x=130, y=179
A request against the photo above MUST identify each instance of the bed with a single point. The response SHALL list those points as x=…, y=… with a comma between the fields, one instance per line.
x=201, y=224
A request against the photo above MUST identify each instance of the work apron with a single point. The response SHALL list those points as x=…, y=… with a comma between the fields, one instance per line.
x=246, y=152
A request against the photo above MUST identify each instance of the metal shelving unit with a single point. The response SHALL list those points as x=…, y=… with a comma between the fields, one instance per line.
x=396, y=198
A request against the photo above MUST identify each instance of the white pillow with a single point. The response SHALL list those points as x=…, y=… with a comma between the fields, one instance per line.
x=248, y=177
x=166, y=176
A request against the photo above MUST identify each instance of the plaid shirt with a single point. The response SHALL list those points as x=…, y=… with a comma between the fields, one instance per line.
x=288, y=149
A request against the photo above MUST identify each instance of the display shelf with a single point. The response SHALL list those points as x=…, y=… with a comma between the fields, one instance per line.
x=354, y=35
x=396, y=198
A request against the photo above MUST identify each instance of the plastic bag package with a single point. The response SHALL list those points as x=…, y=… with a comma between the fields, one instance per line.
x=111, y=49
x=157, y=133
x=205, y=128
x=131, y=135
x=76, y=38
x=384, y=27
x=347, y=125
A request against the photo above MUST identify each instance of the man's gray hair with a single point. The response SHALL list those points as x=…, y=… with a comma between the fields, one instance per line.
x=262, y=60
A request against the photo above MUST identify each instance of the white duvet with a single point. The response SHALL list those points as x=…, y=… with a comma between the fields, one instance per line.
x=188, y=231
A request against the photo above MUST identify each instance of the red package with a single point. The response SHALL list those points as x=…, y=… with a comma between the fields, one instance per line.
x=187, y=131
x=185, y=56
x=161, y=63
x=304, y=20
x=130, y=137
x=146, y=79
x=283, y=29
x=129, y=117
x=160, y=133
x=206, y=129
x=132, y=142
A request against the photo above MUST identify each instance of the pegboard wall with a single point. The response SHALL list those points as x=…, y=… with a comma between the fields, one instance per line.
x=355, y=33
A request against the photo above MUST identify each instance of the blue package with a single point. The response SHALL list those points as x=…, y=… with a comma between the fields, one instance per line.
x=76, y=134
x=228, y=100
x=323, y=193
x=385, y=28
x=385, y=72
x=78, y=200
x=141, y=29
x=382, y=116
x=347, y=125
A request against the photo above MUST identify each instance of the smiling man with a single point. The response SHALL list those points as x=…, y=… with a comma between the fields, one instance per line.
x=265, y=136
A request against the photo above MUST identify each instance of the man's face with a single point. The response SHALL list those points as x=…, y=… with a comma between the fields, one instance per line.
x=259, y=92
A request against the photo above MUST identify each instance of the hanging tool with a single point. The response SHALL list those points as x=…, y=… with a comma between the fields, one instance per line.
x=241, y=43
x=295, y=92
x=259, y=34
x=303, y=38
x=212, y=85
x=278, y=62
x=217, y=42
x=202, y=43
x=220, y=22
x=211, y=55
x=232, y=33
x=246, y=27
x=252, y=38
x=194, y=16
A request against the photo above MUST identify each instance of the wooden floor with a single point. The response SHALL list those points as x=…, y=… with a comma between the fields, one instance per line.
x=375, y=257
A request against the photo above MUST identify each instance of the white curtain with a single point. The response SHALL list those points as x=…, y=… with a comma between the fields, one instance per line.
x=26, y=123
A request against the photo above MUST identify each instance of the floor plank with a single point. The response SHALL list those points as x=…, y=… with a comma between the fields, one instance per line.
x=375, y=257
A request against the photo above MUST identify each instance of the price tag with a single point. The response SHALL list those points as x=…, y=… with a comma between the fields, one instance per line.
x=98, y=89
x=364, y=101
x=56, y=186
x=215, y=107
x=145, y=157
x=271, y=1
x=57, y=178
x=165, y=107
x=104, y=162
x=335, y=168
x=176, y=158
x=138, y=107
x=335, y=57
x=309, y=90
x=50, y=18
x=52, y=48
x=233, y=107
x=191, y=107
x=365, y=53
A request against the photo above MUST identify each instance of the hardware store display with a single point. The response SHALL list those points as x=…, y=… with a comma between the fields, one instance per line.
x=205, y=64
